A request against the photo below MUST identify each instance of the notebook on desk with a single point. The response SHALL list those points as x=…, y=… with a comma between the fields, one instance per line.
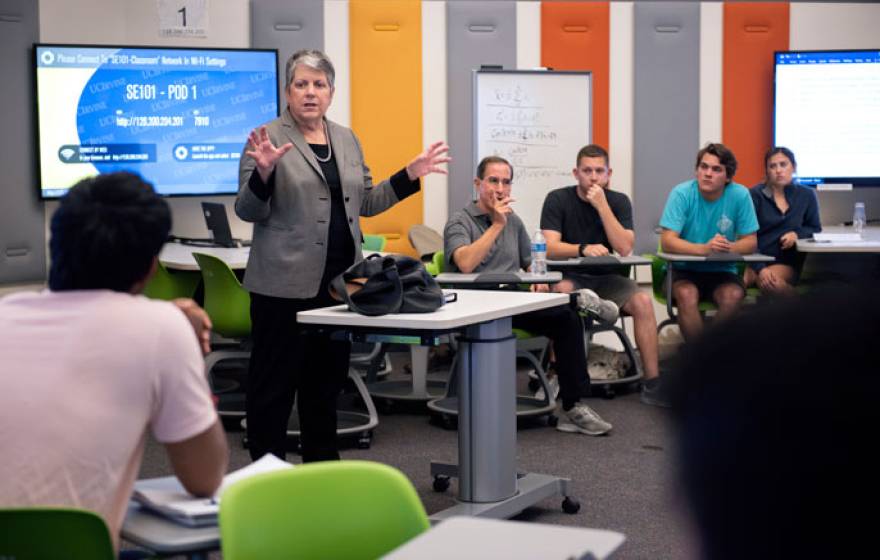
x=836, y=237
x=167, y=497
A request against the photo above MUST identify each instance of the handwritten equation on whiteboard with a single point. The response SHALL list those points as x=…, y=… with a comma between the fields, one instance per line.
x=538, y=121
x=521, y=130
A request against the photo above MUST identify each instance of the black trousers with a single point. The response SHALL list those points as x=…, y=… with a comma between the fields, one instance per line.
x=285, y=361
x=563, y=326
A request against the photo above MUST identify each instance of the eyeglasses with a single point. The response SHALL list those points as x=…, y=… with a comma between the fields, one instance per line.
x=492, y=180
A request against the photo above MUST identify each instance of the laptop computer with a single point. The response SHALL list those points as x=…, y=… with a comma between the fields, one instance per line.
x=218, y=224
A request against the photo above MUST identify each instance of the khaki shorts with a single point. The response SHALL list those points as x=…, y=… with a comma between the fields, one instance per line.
x=618, y=289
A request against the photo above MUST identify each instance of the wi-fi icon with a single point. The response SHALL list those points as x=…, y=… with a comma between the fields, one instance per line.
x=67, y=153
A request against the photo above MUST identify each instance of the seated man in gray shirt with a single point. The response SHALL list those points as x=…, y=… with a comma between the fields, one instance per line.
x=487, y=236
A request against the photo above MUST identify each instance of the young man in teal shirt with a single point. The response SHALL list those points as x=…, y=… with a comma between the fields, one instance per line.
x=708, y=214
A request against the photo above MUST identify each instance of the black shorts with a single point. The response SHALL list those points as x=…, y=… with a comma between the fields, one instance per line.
x=706, y=282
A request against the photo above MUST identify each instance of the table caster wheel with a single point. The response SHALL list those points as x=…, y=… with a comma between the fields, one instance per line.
x=441, y=483
x=385, y=406
x=570, y=505
x=448, y=422
x=365, y=440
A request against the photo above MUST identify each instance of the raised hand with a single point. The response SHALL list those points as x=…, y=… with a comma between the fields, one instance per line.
x=428, y=161
x=264, y=152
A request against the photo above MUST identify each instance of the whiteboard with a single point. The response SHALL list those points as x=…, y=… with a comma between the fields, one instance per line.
x=537, y=120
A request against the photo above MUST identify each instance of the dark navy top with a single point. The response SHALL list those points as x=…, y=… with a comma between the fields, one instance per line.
x=802, y=217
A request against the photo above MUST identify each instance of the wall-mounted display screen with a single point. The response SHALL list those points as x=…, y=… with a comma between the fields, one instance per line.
x=177, y=116
x=827, y=110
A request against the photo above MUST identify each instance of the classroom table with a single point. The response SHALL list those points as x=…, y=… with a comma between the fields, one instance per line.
x=842, y=262
x=473, y=538
x=870, y=242
x=178, y=256
x=585, y=263
x=489, y=485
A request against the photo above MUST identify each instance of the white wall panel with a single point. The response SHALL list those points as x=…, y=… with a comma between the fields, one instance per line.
x=336, y=46
x=528, y=35
x=436, y=186
x=620, y=104
x=711, y=62
x=229, y=25
x=834, y=26
x=85, y=21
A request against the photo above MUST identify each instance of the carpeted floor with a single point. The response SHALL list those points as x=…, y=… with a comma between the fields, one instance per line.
x=624, y=481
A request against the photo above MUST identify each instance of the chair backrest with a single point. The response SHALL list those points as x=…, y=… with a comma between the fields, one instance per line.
x=171, y=285
x=335, y=509
x=373, y=242
x=425, y=240
x=46, y=533
x=226, y=302
x=436, y=265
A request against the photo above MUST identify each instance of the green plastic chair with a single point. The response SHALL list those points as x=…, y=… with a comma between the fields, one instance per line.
x=229, y=307
x=47, y=533
x=334, y=509
x=169, y=285
x=373, y=242
x=226, y=302
x=658, y=277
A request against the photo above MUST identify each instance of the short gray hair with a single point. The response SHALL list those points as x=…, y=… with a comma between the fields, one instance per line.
x=315, y=60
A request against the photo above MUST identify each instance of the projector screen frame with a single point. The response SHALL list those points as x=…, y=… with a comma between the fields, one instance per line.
x=272, y=92
x=830, y=182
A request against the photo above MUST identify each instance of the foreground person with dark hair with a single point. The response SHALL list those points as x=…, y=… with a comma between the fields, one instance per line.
x=88, y=366
x=776, y=417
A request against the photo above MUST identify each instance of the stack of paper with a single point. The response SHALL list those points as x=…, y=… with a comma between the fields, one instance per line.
x=837, y=237
x=167, y=497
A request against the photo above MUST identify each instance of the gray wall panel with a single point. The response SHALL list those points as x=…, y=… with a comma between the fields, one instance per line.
x=287, y=26
x=22, y=230
x=478, y=33
x=667, y=106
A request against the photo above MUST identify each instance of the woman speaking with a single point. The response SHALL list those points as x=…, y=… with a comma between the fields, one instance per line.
x=303, y=183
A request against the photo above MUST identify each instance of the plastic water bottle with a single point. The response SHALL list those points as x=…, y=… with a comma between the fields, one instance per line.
x=539, y=253
x=859, y=217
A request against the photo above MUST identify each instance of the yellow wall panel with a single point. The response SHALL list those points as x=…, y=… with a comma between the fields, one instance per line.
x=386, y=100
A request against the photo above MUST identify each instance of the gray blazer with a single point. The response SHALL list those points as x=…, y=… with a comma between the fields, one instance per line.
x=289, y=249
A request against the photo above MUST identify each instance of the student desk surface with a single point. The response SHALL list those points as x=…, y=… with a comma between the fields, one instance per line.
x=471, y=538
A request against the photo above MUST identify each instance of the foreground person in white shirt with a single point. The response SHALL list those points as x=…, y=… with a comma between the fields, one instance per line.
x=89, y=366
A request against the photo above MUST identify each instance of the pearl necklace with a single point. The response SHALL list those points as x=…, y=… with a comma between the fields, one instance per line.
x=329, y=146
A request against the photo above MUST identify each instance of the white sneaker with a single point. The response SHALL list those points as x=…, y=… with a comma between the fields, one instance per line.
x=583, y=419
x=590, y=302
x=553, y=383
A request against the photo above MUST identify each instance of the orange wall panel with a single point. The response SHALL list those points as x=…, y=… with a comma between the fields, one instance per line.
x=386, y=100
x=752, y=32
x=575, y=36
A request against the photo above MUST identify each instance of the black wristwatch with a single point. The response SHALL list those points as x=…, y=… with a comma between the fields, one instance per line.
x=581, y=248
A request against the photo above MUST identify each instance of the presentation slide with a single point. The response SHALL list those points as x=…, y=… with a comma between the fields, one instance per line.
x=827, y=110
x=178, y=117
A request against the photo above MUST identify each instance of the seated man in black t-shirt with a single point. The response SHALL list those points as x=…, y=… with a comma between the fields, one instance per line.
x=589, y=219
